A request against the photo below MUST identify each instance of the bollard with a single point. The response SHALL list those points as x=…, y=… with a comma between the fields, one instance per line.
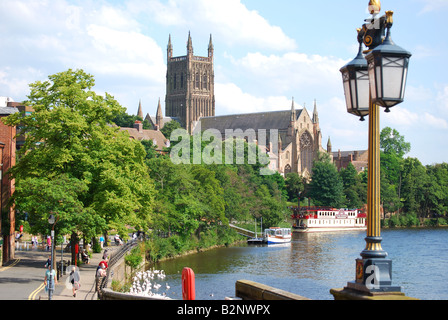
x=188, y=289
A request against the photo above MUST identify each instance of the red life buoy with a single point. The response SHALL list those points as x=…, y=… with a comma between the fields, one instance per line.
x=188, y=284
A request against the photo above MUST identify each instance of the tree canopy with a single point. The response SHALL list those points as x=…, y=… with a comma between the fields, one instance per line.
x=75, y=163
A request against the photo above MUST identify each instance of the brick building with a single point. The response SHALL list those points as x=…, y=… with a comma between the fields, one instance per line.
x=359, y=159
x=156, y=136
x=8, y=160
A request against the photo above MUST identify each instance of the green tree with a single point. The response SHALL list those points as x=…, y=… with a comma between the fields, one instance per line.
x=415, y=181
x=438, y=174
x=170, y=127
x=127, y=121
x=326, y=187
x=73, y=155
x=352, y=186
x=150, y=149
x=392, y=142
x=294, y=186
x=393, y=147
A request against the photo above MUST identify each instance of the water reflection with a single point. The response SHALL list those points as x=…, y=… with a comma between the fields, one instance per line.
x=313, y=263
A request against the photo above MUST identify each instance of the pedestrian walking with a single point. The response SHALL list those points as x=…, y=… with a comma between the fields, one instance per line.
x=48, y=243
x=75, y=280
x=48, y=263
x=102, y=242
x=50, y=280
x=33, y=241
x=100, y=278
x=105, y=255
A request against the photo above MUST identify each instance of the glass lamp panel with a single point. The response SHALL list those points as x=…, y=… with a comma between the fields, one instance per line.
x=348, y=98
x=403, y=88
x=354, y=94
x=379, y=82
x=347, y=90
x=363, y=92
x=393, y=78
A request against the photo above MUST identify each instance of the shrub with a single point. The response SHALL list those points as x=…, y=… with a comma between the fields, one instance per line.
x=134, y=258
x=394, y=221
x=412, y=220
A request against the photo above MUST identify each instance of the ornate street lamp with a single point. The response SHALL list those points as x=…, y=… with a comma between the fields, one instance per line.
x=387, y=66
x=51, y=221
x=356, y=85
x=388, y=69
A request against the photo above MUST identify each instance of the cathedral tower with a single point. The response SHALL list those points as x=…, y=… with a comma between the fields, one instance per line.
x=190, y=85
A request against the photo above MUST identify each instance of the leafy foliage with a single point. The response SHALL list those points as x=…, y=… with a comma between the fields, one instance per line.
x=75, y=163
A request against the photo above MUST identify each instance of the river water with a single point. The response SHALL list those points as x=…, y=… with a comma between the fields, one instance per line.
x=312, y=264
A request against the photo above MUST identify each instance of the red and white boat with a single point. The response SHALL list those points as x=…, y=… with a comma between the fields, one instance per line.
x=321, y=219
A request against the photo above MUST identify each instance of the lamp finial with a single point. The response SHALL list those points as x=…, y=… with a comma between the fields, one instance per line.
x=374, y=6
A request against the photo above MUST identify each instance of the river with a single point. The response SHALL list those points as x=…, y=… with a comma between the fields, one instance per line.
x=312, y=264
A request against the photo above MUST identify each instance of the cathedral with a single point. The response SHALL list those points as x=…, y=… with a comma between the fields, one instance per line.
x=190, y=100
x=190, y=86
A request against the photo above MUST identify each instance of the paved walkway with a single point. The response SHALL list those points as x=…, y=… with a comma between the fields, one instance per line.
x=87, y=280
x=22, y=278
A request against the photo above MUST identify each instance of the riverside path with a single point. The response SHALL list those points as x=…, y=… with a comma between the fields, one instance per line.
x=23, y=278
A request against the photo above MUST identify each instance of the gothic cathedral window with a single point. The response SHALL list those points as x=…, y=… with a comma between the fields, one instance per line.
x=204, y=82
x=306, y=152
x=197, y=81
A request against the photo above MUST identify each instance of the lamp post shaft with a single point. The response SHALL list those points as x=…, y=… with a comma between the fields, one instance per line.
x=51, y=280
x=374, y=271
x=373, y=240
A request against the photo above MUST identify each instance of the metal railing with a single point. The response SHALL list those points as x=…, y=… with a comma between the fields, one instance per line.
x=115, y=256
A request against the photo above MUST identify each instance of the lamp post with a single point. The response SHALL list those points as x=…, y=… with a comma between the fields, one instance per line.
x=51, y=221
x=377, y=79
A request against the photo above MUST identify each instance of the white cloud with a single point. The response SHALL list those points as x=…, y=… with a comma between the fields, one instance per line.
x=442, y=100
x=126, y=53
x=231, y=99
x=291, y=72
x=230, y=20
x=15, y=83
x=53, y=36
x=404, y=118
x=435, y=122
x=433, y=5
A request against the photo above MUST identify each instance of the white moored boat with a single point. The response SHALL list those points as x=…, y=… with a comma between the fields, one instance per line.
x=277, y=235
x=321, y=219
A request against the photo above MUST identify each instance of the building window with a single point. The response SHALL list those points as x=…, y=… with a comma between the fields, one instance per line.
x=197, y=81
x=306, y=152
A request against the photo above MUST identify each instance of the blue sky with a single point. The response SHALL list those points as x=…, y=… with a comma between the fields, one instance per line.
x=266, y=52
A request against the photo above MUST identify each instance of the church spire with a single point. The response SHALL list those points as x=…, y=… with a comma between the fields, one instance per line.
x=292, y=122
x=159, y=116
x=189, y=45
x=169, y=49
x=329, y=147
x=293, y=111
x=140, y=111
x=315, y=114
x=210, y=48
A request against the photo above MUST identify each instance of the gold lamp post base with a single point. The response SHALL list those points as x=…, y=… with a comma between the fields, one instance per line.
x=353, y=294
x=373, y=282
